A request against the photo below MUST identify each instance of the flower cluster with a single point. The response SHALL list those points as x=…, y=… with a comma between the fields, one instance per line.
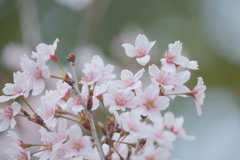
x=134, y=128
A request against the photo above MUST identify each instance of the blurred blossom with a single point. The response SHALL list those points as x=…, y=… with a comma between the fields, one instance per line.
x=11, y=55
x=76, y=5
x=128, y=34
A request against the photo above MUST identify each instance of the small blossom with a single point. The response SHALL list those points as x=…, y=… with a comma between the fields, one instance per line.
x=164, y=78
x=141, y=49
x=198, y=94
x=18, y=89
x=96, y=71
x=128, y=80
x=37, y=72
x=18, y=153
x=119, y=100
x=15, y=140
x=7, y=116
x=150, y=103
x=130, y=122
x=53, y=141
x=75, y=104
x=180, y=87
x=78, y=145
x=162, y=136
x=106, y=71
x=175, y=125
x=47, y=112
x=63, y=89
x=150, y=152
x=47, y=51
x=173, y=58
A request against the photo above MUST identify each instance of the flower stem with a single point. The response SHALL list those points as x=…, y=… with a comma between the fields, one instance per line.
x=68, y=119
x=56, y=77
x=39, y=151
x=32, y=120
x=89, y=114
x=28, y=105
x=137, y=147
x=60, y=66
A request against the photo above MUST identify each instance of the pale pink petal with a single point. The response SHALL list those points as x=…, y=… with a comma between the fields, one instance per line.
x=139, y=74
x=175, y=48
x=13, y=123
x=7, y=98
x=144, y=60
x=150, y=45
x=192, y=65
x=16, y=108
x=38, y=86
x=169, y=67
x=75, y=132
x=153, y=70
x=129, y=49
x=141, y=40
x=126, y=75
x=198, y=107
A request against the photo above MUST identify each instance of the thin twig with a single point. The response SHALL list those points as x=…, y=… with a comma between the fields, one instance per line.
x=89, y=114
x=137, y=147
x=28, y=105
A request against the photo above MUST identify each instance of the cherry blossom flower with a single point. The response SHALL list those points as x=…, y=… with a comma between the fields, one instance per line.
x=106, y=71
x=173, y=58
x=53, y=141
x=119, y=100
x=37, y=72
x=90, y=75
x=130, y=122
x=18, y=153
x=75, y=104
x=160, y=135
x=47, y=51
x=95, y=71
x=7, y=116
x=175, y=125
x=15, y=140
x=180, y=87
x=150, y=103
x=78, y=145
x=141, y=49
x=198, y=94
x=101, y=88
x=47, y=112
x=150, y=152
x=63, y=89
x=164, y=78
x=128, y=80
x=20, y=88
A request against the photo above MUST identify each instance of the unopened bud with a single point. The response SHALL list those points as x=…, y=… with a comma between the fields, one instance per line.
x=143, y=142
x=71, y=58
x=86, y=124
x=25, y=112
x=69, y=80
x=38, y=120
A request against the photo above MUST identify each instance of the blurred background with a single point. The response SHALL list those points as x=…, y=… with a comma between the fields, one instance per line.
x=209, y=31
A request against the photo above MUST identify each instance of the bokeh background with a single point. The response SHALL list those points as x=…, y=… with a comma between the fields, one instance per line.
x=208, y=29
